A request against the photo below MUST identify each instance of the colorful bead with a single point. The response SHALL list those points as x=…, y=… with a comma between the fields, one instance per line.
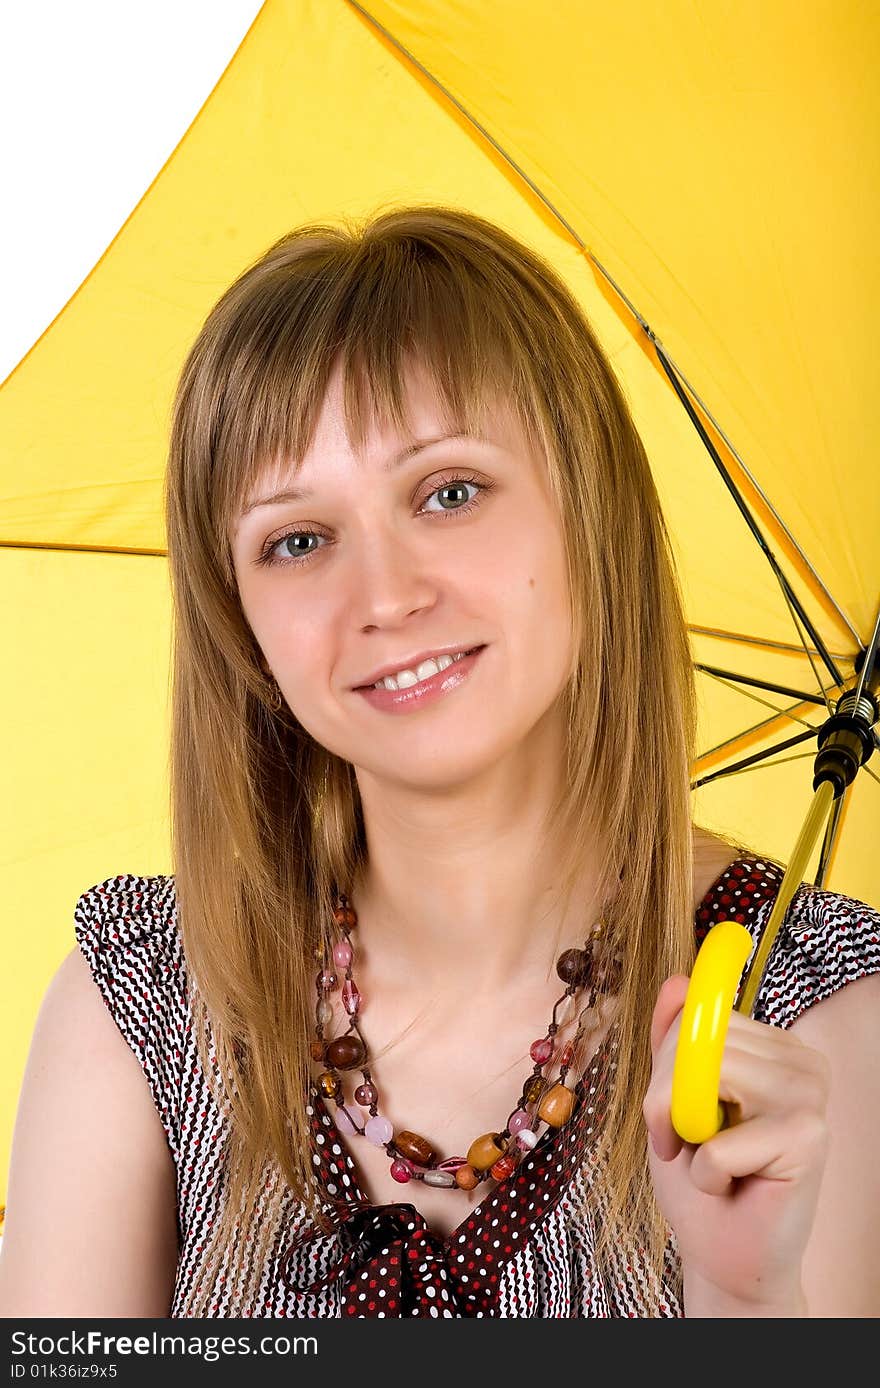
x=378, y=1130
x=316, y=1049
x=417, y=1148
x=366, y=1094
x=541, y=1051
x=347, y=1121
x=574, y=966
x=342, y=954
x=351, y=998
x=439, y=1178
x=466, y=1177
x=502, y=1168
x=527, y=1139
x=324, y=1012
x=518, y=1120
x=556, y=1106
x=327, y=979
x=534, y=1089
x=485, y=1150
x=346, y=1052
x=345, y=917
x=401, y=1171
x=329, y=1084
x=567, y=1055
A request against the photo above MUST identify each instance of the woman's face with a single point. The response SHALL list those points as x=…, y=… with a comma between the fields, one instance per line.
x=395, y=568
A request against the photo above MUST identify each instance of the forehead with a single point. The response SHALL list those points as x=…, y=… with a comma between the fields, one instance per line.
x=426, y=417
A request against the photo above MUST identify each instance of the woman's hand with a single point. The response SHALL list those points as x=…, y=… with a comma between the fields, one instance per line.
x=741, y=1204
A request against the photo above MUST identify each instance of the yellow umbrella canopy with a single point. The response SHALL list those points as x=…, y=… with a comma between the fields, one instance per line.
x=704, y=179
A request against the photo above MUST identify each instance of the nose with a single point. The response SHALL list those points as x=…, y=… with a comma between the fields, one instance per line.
x=389, y=580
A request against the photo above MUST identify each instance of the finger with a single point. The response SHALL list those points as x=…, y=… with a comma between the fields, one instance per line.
x=655, y=1111
x=761, y=1036
x=759, y=1086
x=779, y=1148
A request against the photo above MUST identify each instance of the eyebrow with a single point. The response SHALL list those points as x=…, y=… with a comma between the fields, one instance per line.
x=302, y=493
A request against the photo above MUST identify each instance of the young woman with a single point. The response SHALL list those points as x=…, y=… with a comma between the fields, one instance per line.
x=408, y=1007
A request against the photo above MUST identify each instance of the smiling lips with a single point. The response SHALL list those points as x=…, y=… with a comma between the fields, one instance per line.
x=407, y=677
x=416, y=693
x=412, y=665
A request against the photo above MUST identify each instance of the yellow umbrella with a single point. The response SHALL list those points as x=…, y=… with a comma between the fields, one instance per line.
x=703, y=179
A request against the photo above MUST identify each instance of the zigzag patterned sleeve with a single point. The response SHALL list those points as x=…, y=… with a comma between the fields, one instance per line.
x=826, y=941
x=126, y=930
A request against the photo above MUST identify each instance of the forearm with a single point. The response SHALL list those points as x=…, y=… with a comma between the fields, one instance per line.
x=701, y=1300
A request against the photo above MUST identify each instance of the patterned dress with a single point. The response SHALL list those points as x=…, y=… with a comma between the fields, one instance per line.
x=527, y=1249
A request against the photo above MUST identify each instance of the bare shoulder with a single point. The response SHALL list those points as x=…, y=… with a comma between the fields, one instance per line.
x=712, y=857
x=91, y=1218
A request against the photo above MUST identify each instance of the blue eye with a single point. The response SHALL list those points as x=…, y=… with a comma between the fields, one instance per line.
x=269, y=559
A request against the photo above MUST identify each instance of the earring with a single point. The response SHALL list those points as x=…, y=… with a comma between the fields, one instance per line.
x=275, y=696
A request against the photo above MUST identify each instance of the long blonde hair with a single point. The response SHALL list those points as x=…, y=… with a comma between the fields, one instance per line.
x=265, y=821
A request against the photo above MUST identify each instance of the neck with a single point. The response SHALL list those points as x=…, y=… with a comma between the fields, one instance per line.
x=462, y=884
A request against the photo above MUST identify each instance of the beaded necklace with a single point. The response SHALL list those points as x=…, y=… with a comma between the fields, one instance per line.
x=493, y=1155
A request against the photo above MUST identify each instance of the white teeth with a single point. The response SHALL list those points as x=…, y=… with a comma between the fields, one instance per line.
x=404, y=679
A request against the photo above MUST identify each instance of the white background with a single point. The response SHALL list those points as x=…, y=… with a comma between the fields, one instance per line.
x=94, y=97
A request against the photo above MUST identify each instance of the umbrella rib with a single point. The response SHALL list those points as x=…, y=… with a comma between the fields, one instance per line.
x=748, y=762
x=739, y=500
x=780, y=712
x=798, y=756
x=762, y=641
x=761, y=684
x=810, y=658
x=665, y=359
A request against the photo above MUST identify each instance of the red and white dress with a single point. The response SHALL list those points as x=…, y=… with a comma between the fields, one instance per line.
x=525, y=1250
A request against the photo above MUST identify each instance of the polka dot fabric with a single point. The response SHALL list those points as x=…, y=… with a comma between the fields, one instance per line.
x=526, y=1250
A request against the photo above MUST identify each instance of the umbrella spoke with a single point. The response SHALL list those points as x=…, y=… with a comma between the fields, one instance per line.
x=756, y=727
x=791, y=597
x=673, y=372
x=763, y=642
x=728, y=675
x=756, y=758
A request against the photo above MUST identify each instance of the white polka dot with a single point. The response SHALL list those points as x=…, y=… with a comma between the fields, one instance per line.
x=320, y=1139
x=331, y=1188
x=337, y=1149
x=430, y=1291
x=316, y=1159
x=434, y=1311
x=382, y=1291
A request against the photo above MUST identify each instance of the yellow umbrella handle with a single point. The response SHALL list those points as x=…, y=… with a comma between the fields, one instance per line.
x=696, y=1111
